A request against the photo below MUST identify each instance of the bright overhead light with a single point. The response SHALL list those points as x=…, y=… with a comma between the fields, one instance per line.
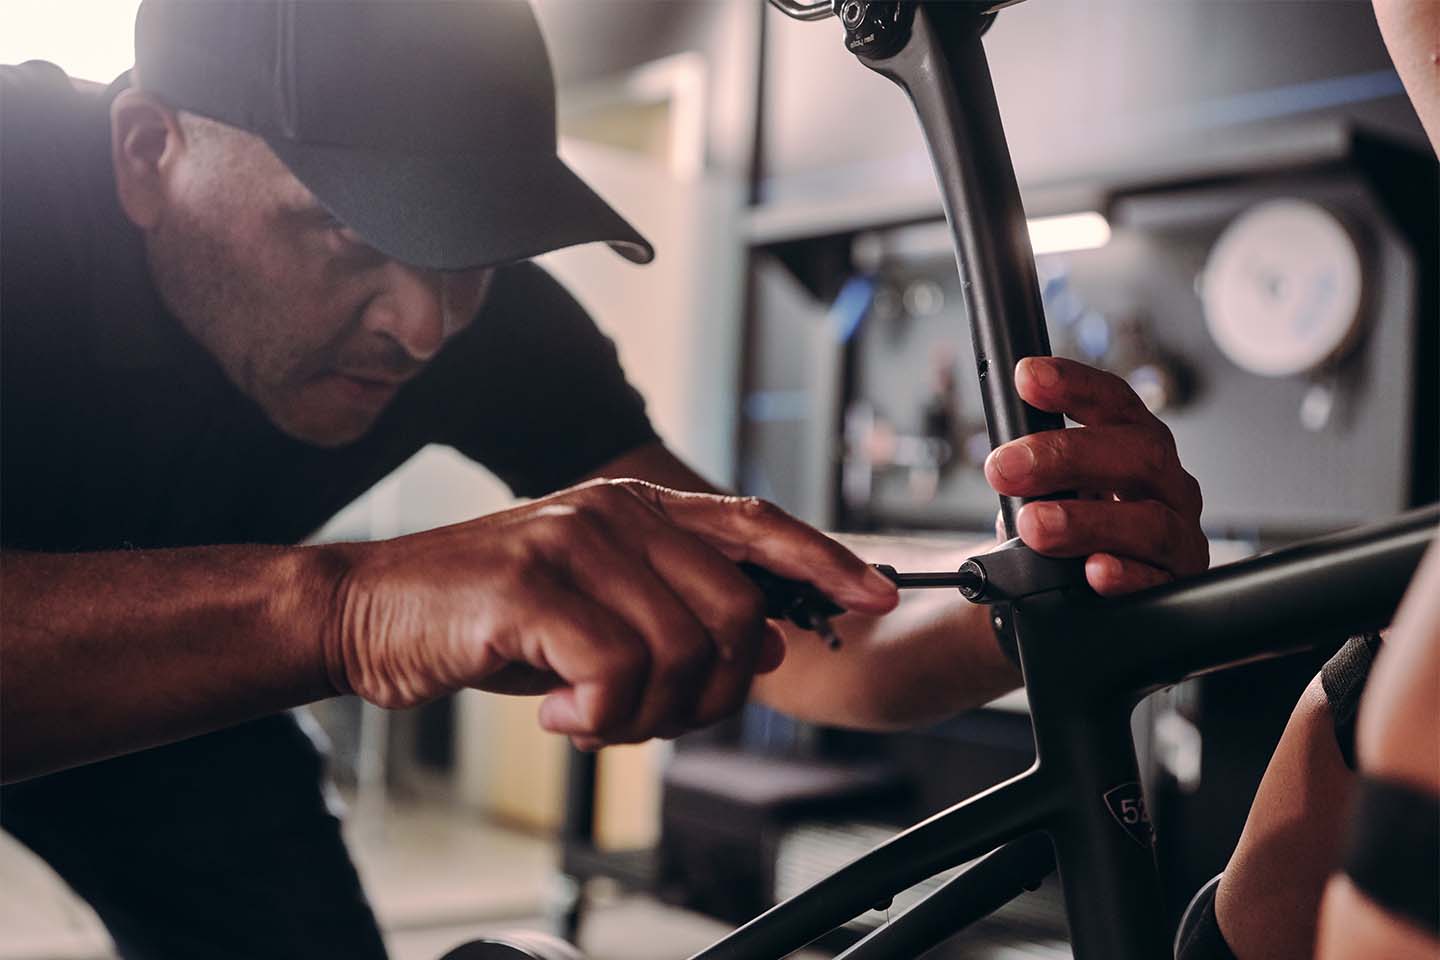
x=88, y=39
x=1072, y=231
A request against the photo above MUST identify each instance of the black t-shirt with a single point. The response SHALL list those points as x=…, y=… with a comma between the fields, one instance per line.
x=119, y=430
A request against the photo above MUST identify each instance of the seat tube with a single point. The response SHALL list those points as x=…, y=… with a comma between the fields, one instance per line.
x=1104, y=845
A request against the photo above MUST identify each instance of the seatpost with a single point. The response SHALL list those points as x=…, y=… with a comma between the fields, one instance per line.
x=933, y=51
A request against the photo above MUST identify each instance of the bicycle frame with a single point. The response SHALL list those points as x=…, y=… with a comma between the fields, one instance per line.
x=1086, y=661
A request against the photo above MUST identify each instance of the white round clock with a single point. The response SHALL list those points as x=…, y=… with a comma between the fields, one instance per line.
x=1282, y=288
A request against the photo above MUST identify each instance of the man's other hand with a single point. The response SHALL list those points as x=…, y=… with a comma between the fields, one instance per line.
x=619, y=600
x=1137, y=519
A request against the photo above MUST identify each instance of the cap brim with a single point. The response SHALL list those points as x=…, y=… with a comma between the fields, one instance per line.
x=457, y=211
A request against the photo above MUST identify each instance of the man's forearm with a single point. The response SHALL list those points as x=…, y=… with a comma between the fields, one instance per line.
x=108, y=652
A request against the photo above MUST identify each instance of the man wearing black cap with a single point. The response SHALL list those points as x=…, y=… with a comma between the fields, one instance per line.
x=256, y=276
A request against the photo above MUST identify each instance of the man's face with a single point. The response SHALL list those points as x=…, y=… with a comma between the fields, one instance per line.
x=318, y=328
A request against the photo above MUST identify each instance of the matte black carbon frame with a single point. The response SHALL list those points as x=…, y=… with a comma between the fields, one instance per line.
x=1086, y=661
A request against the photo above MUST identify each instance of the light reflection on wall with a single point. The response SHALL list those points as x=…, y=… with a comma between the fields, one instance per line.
x=89, y=39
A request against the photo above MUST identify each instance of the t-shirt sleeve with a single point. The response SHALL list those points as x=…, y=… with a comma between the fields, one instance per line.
x=547, y=400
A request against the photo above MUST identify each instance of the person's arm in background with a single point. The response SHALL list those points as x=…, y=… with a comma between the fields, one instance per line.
x=936, y=654
x=1411, y=29
x=1269, y=896
x=1397, y=741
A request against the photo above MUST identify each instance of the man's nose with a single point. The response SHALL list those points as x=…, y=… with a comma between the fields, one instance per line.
x=415, y=310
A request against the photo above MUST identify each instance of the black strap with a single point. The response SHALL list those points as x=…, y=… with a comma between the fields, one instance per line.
x=1393, y=852
x=1199, y=936
x=1343, y=678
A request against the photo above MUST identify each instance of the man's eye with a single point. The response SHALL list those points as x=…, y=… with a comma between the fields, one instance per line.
x=347, y=244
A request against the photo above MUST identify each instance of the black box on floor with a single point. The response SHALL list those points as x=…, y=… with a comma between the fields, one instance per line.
x=724, y=812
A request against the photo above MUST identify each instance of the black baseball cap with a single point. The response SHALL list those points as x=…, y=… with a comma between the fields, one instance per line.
x=426, y=126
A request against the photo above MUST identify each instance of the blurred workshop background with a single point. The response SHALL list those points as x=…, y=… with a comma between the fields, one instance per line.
x=1195, y=173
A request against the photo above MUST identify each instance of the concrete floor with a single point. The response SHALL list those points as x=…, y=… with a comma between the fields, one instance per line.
x=436, y=877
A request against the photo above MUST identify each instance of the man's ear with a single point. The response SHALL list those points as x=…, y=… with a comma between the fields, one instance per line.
x=145, y=144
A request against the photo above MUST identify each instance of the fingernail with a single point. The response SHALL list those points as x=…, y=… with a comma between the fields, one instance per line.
x=1045, y=373
x=1051, y=517
x=1108, y=568
x=877, y=582
x=1014, y=461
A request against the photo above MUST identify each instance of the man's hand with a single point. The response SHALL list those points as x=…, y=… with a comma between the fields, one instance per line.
x=620, y=600
x=1141, y=525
